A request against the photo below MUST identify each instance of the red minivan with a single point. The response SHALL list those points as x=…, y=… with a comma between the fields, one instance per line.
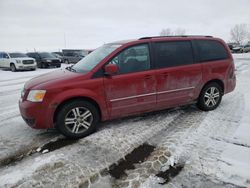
x=127, y=78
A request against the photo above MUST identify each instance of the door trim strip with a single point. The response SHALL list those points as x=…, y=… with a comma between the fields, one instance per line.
x=175, y=90
x=131, y=97
x=149, y=94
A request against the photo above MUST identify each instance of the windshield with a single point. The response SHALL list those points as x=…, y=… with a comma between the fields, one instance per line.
x=81, y=53
x=16, y=55
x=46, y=55
x=92, y=59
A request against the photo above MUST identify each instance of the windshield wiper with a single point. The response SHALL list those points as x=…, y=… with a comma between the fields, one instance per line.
x=71, y=68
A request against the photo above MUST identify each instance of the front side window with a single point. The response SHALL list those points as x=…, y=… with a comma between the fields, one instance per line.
x=176, y=53
x=210, y=50
x=1, y=55
x=133, y=59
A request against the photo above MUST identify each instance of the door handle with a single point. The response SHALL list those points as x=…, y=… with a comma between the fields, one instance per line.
x=148, y=77
x=165, y=74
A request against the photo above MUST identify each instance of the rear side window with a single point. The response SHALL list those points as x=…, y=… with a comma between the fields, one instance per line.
x=1, y=55
x=210, y=50
x=170, y=54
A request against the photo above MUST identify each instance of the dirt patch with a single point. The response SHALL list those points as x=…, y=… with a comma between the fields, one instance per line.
x=170, y=173
x=138, y=155
x=60, y=143
x=51, y=146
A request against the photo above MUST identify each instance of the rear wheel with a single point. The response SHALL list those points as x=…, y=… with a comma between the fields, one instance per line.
x=210, y=97
x=77, y=119
x=66, y=61
x=13, y=67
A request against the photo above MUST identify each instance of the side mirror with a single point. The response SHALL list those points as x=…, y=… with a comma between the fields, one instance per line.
x=111, y=69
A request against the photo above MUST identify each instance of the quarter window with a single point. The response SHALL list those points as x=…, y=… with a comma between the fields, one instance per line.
x=170, y=54
x=133, y=59
x=211, y=50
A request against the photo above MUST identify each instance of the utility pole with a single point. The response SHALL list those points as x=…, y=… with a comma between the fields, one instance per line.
x=64, y=40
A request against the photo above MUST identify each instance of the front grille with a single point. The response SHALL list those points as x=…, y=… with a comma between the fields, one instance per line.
x=55, y=61
x=29, y=122
x=28, y=62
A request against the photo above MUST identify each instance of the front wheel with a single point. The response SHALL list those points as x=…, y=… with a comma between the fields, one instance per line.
x=13, y=68
x=77, y=119
x=210, y=97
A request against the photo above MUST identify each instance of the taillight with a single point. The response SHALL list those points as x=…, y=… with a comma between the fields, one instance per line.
x=232, y=71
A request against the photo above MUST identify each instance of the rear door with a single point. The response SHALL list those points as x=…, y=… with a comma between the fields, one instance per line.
x=133, y=90
x=178, y=77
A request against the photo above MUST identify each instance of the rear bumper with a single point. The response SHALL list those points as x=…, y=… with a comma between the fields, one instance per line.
x=231, y=84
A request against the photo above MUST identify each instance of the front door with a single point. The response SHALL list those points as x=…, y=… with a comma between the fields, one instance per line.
x=6, y=60
x=133, y=89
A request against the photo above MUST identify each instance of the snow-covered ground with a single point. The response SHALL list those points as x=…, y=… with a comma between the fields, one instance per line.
x=181, y=147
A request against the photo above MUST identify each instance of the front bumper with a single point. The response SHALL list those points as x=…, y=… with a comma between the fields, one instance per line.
x=26, y=67
x=36, y=115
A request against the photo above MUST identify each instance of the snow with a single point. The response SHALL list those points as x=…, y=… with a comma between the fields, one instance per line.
x=214, y=145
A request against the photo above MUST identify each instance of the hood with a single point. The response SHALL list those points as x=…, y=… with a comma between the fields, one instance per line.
x=52, y=78
x=50, y=58
x=23, y=58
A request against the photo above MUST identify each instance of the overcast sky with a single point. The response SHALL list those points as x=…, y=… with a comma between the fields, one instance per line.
x=46, y=24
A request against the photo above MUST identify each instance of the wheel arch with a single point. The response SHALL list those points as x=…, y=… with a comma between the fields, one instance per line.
x=218, y=81
x=66, y=101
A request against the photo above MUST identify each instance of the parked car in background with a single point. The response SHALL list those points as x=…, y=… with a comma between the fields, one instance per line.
x=237, y=49
x=45, y=59
x=59, y=55
x=245, y=48
x=127, y=78
x=17, y=61
x=73, y=56
x=231, y=45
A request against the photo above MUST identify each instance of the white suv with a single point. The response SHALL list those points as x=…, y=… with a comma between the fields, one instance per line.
x=17, y=61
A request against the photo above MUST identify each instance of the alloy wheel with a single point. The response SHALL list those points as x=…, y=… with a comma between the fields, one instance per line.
x=78, y=120
x=211, y=97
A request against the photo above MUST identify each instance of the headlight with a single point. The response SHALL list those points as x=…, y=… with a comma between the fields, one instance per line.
x=36, y=95
x=49, y=61
x=18, y=61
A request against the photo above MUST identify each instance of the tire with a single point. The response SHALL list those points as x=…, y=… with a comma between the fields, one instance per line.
x=66, y=61
x=13, y=67
x=58, y=66
x=210, y=97
x=70, y=119
x=43, y=65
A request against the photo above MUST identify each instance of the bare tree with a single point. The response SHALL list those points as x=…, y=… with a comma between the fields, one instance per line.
x=166, y=32
x=248, y=33
x=170, y=32
x=239, y=33
x=180, y=31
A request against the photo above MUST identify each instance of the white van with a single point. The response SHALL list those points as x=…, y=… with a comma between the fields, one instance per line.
x=17, y=61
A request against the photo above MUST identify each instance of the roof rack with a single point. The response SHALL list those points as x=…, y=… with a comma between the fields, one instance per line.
x=174, y=36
